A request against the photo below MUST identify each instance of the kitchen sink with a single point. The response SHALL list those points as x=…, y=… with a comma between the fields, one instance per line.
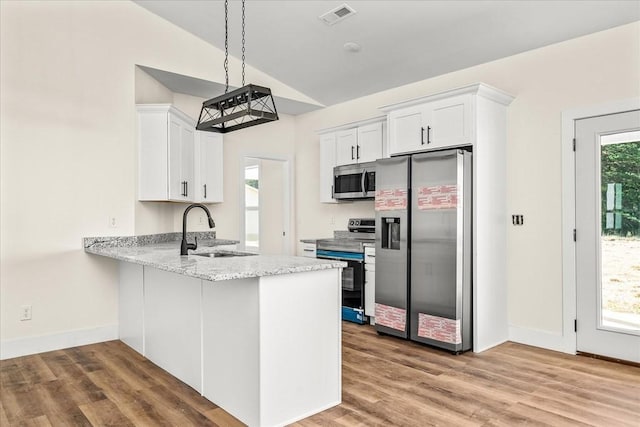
x=220, y=254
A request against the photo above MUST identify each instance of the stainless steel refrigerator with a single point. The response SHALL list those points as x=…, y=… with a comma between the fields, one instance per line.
x=424, y=249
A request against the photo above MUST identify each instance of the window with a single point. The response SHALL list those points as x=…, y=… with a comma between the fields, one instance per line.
x=252, y=204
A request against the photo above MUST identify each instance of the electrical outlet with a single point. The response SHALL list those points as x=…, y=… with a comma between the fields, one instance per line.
x=113, y=222
x=25, y=312
x=517, y=219
x=201, y=219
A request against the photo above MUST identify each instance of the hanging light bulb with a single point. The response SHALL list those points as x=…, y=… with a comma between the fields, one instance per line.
x=247, y=106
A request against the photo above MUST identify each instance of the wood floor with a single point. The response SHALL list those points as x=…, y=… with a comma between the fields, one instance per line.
x=386, y=382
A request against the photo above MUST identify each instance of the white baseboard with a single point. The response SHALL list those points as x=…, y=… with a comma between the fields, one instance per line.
x=537, y=338
x=39, y=344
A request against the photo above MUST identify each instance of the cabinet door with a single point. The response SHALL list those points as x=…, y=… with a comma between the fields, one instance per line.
x=369, y=143
x=450, y=122
x=181, y=166
x=346, y=147
x=172, y=324
x=210, y=160
x=327, y=163
x=187, y=165
x=407, y=130
x=176, y=183
x=308, y=250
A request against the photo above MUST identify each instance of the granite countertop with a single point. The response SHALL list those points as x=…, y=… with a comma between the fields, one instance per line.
x=162, y=251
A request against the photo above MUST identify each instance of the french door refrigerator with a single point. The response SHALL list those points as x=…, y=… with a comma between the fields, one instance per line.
x=423, y=248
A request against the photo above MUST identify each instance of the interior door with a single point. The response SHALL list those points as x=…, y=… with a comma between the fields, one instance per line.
x=272, y=207
x=608, y=235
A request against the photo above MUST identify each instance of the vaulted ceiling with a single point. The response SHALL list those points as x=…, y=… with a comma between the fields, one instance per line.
x=400, y=41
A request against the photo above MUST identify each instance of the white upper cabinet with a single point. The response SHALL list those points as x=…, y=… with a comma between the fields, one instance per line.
x=443, y=120
x=209, y=167
x=327, y=163
x=181, y=166
x=171, y=159
x=370, y=142
x=359, y=142
x=349, y=144
x=432, y=125
x=406, y=129
x=346, y=147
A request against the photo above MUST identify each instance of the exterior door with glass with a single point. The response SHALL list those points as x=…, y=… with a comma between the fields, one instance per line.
x=607, y=165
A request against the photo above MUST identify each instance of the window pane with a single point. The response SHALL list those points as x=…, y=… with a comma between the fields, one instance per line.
x=620, y=231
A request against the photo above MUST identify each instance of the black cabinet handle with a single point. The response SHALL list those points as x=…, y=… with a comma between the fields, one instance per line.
x=186, y=188
x=182, y=194
x=205, y=191
x=422, y=135
x=428, y=134
x=357, y=151
x=352, y=158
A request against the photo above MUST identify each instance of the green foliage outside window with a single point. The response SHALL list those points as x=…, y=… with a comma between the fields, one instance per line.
x=620, y=164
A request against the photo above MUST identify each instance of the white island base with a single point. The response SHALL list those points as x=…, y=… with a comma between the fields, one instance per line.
x=265, y=349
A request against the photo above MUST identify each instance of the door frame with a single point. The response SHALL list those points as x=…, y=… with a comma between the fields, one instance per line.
x=288, y=196
x=569, y=285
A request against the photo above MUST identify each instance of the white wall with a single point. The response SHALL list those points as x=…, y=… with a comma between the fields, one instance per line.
x=588, y=70
x=68, y=151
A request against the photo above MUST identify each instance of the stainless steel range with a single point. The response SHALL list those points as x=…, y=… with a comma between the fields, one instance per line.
x=349, y=246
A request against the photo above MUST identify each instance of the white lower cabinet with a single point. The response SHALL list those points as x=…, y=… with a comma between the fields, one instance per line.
x=240, y=343
x=172, y=324
x=308, y=249
x=131, y=305
x=370, y=283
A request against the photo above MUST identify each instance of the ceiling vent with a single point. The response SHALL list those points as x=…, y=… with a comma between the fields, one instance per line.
x=338, y=14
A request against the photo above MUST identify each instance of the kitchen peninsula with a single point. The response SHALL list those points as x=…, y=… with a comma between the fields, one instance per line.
x=260, y=336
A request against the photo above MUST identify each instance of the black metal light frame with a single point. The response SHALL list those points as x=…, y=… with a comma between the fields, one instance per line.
x=241, y=108
x=247, y=106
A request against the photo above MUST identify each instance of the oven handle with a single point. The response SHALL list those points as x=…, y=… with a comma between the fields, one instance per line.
x=338, y=258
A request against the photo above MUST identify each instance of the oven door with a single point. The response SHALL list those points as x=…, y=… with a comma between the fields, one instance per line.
x=353, y=273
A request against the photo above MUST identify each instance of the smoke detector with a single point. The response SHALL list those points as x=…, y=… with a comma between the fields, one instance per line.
x=337, y=14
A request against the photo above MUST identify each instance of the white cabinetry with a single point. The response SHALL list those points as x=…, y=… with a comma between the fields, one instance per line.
x=175, y=161
x=308, y=249
x=172, y=324
x=346, y=147
x=432, y=122
x=370, y=142
x=348, y=144
x=359, y=142
x=131, y=305
x=209, y=167
x=370, y=283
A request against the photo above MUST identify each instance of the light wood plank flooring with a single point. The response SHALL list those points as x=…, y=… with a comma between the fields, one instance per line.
x=386, y=382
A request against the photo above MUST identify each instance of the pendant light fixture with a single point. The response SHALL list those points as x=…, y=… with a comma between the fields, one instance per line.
x=247, y=106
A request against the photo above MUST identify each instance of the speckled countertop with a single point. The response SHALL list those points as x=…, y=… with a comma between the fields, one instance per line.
x=162, y=251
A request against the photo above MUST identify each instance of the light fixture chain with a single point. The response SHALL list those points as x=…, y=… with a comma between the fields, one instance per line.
x=242, y=42
x=226, y=45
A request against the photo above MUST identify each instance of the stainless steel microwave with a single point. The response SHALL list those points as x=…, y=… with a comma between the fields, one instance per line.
x=351, y=182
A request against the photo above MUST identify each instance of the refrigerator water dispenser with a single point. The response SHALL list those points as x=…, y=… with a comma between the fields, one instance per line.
x=391, y=233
